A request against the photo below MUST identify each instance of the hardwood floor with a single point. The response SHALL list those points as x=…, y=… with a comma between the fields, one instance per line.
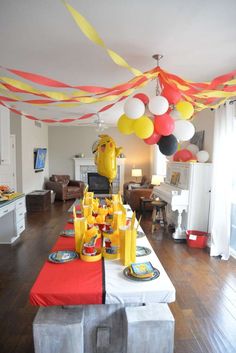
x=205, y=306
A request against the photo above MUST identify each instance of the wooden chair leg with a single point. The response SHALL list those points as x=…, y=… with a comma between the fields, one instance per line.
x=154, y=214
x=164, y=216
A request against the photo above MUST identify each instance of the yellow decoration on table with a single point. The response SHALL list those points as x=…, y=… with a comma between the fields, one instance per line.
x=100, y=219
x=115, y=197
x=95, y=205
x=133, y=245
x=90, y=219
x=128, y=236
x=80, y=226
x=116, y=206
x=117, y=220
x=91, y=232
x=87, y=211
x=125, y=245
x=103, y=211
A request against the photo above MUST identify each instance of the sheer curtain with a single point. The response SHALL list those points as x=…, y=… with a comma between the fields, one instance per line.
x=221, y=193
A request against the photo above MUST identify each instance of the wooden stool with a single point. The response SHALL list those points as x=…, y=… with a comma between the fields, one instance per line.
x=158, y=213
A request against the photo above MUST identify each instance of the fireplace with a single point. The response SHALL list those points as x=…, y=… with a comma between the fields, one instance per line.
x=98, y=184
x=84, y=166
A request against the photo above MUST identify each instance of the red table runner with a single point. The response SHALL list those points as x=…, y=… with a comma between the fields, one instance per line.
x=72, y=283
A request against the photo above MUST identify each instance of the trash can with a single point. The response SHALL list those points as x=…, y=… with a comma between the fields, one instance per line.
x=196, y=239
x=53, y=195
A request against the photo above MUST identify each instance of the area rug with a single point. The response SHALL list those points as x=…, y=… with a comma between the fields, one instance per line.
x=76, y=203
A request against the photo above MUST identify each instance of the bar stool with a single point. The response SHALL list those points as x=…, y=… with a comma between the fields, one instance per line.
x=158, y=214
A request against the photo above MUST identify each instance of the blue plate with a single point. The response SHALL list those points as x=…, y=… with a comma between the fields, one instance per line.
x=142, y=251
x=140, y=234
x=62, y=256
x=68, y=233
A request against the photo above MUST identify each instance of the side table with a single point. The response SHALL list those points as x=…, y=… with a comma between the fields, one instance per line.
x=38, y=200
x=144, y=202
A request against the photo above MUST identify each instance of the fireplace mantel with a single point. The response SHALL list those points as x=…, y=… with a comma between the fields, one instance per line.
x=83, y=166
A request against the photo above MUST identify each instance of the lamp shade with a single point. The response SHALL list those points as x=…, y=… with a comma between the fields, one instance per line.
x=157, y=179
x=136, y=173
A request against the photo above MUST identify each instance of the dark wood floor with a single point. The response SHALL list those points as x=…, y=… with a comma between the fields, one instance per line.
x=205, y=308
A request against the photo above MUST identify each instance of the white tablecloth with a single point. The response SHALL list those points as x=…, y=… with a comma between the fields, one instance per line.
x=120, y=289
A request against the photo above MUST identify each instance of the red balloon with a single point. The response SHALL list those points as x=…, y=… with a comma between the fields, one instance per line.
x=164, y=124
x=143, y=97
x=183, y=156
x=171, y=94
x=153, y=139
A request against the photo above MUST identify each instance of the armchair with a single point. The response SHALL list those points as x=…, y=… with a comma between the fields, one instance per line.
x=132, y=192
x=65, y=188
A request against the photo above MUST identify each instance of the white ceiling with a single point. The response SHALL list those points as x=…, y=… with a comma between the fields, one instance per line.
x=197, y=39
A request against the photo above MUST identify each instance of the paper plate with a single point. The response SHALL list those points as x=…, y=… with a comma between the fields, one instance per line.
x=128, y=275
x=62, y=256
x=68, y=233
x=142, y=251
x=140, y=234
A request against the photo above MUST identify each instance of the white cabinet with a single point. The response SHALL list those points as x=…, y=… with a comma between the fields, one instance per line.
x=5, y=154
x=12, y=220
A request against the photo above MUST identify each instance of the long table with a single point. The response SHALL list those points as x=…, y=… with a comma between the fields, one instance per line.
x=86, y=285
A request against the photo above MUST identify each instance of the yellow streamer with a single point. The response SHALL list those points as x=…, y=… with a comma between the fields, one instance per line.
x=92, y=35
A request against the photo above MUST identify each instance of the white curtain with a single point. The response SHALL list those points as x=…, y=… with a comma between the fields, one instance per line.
x=221, y=193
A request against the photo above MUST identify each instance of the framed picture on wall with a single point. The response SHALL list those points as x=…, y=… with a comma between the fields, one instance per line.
x=198, y=139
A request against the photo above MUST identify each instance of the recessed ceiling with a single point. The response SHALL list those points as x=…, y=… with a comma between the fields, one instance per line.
x=197, y=39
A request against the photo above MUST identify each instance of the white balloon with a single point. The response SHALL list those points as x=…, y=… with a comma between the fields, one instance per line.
x=175, y=114
x=134, y=108
x=184, y=130
x=193, y=148
x=202, y=156
x=158, y=105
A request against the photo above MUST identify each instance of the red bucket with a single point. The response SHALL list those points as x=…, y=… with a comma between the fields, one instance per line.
x=196, y=239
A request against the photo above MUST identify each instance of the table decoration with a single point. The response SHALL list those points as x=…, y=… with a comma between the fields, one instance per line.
x=80, y=226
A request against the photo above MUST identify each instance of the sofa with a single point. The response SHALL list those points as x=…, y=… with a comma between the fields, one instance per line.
x=132, y=192
x=64, y=187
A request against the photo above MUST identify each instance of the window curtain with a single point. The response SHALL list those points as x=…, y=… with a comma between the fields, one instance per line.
x=222, y=177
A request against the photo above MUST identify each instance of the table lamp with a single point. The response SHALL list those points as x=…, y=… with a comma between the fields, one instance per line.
x=157, y=179
x=136, y=173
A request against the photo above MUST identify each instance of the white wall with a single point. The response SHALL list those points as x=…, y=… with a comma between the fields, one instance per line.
x=205, y=121
x=15, y=126
x=32, y=137
x=66, y=142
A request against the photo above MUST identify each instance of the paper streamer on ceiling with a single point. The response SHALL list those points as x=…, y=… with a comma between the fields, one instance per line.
x=92, y=35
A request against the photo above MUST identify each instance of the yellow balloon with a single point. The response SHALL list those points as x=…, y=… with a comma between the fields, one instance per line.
x=105, y=157
x=185, y=109
x=143, y=127
x=125, y=125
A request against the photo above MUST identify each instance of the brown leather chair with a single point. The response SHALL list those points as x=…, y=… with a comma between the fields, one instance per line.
x=132, y=192
x=65, y=188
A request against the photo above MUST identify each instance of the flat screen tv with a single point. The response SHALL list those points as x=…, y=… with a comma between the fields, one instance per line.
x=39, y=159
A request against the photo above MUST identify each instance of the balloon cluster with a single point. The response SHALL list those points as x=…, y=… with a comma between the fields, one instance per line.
x=191, y=153
x=168, y=123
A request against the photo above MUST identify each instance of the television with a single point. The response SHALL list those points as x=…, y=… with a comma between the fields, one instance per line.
x=39, y=159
